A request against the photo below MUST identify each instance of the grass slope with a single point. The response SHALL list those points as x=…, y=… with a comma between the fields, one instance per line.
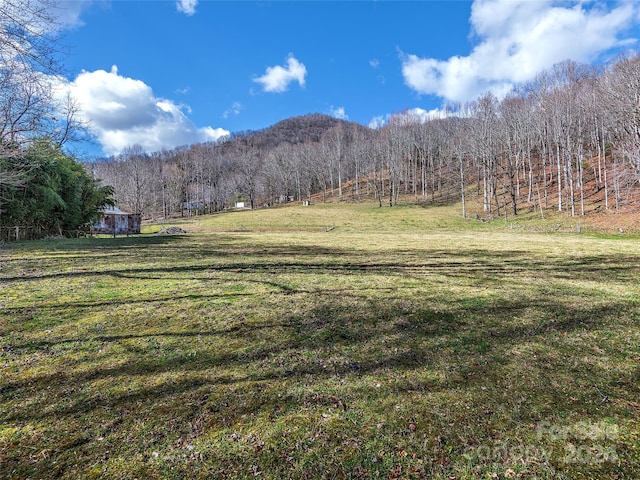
x=324, y=342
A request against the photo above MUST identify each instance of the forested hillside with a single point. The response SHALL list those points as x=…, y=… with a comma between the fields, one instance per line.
x=293, y=159
x=568, y=141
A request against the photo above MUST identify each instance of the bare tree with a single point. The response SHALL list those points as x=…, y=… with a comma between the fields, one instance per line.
x=137, y=180
x=515, y=117
x=457, y=148
x=486, y=147
x=30, y=61
x=30, y=54
x=249, y=167
x=621, y=89
x=336, y=141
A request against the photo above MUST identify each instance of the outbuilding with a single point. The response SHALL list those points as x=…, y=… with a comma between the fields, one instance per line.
x=116, y=222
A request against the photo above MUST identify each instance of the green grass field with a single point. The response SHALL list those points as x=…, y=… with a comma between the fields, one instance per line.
x=332, y=341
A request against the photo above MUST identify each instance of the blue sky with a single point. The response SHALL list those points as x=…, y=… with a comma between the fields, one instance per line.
x=163, y=73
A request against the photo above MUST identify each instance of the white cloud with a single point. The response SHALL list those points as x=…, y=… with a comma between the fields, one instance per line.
x=123, y=111
x=374, y=63
x=420, y=115
x=519, y=39
x=277, y=79
x=188, y=7
x=67, y=12
x=377, y=122
x=338, y=112
x=235, y=109
x=413, y=115
x=42, y=18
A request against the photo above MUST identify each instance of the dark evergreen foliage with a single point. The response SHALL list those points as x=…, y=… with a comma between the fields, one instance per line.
x=56, y=195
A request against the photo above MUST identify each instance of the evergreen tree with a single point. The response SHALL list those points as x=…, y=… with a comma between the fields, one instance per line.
x=57, y=195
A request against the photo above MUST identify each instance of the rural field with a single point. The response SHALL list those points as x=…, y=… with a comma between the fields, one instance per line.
x=331, y=341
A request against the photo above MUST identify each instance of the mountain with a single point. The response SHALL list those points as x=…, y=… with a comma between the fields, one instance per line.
x=294, y=130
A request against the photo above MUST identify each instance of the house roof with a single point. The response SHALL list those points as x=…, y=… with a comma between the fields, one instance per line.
x=113, y=211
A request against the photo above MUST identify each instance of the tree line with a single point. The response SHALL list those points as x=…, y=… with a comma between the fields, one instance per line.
x=566, y=140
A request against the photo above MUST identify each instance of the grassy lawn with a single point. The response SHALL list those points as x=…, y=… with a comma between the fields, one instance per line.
x=332, y=341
